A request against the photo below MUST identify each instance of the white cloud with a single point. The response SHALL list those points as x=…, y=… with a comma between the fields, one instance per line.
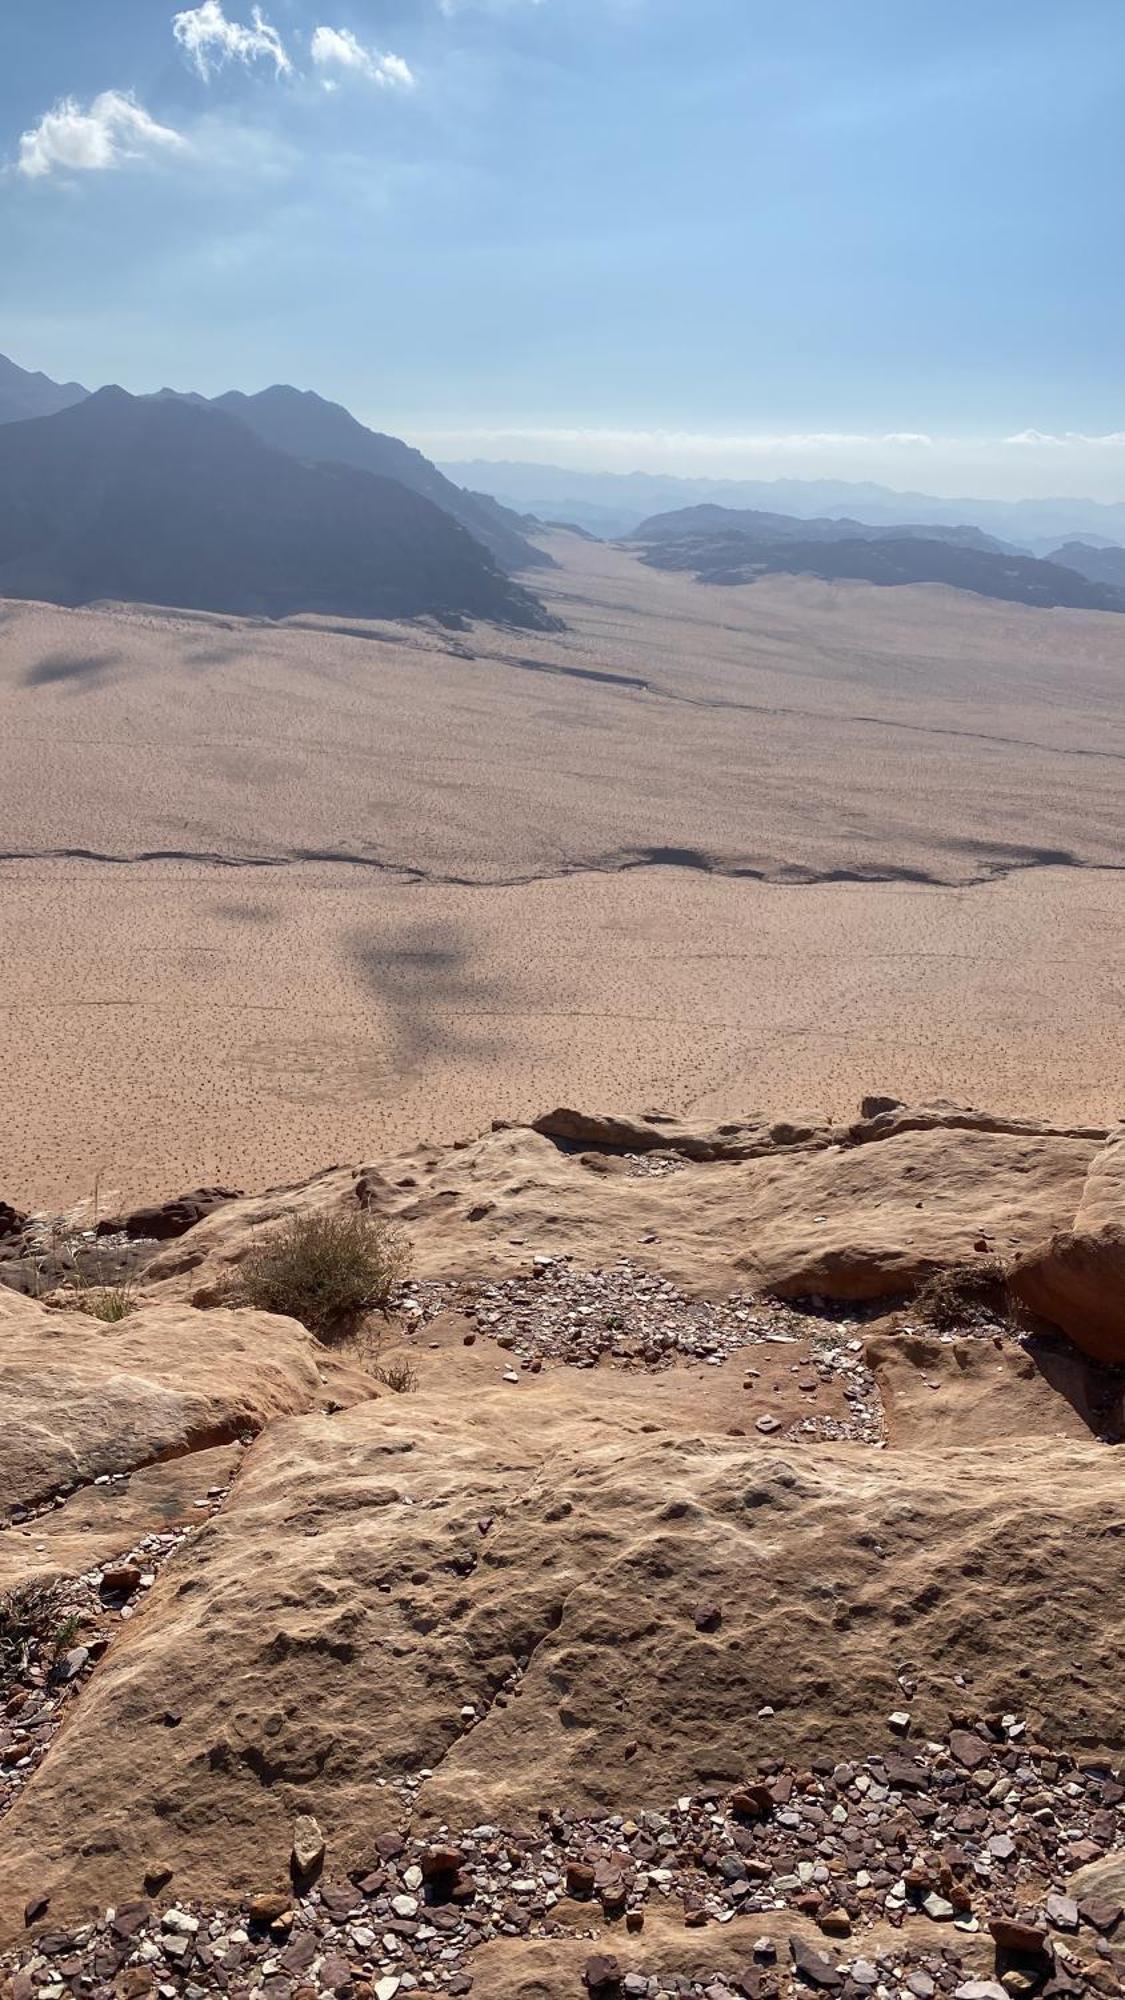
x=338, y=48
x=212, y=41
x=68, y=139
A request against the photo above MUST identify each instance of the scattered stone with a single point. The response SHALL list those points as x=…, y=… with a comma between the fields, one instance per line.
x=308, y=1847
x=813, y=1967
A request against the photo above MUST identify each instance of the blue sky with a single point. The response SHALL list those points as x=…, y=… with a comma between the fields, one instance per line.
x=857, y=237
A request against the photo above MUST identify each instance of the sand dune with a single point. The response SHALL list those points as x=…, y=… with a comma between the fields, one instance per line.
x=543, y=868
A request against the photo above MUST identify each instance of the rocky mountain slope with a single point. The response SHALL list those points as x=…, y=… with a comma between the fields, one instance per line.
x=310, y=428
x=163, y=501
x=714, y=1590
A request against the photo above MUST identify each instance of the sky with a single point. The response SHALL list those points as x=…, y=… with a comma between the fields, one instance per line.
x=847, y=238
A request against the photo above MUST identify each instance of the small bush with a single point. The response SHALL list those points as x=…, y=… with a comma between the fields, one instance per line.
x=964, y=1294
x=108, y=1302
x=29, y=1619
x=328, y=1271
x=399, y=1376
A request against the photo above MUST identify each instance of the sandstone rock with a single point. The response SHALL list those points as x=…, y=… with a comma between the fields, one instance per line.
x=735, y=1141
x=308, y=1847
x=266, y=1909
x=1012, y=1934
x=862, y=1214
x=79, y=1398
x=1077, y=1280
x=304, y=1685
x=169, y=1218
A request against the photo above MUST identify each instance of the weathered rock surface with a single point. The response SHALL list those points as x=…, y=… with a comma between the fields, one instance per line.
x=168, y=1218
x=79, y=1398
x=748, y=1647
x=1078, y=1279
x=97, y=1522
x=500, y=1587
x=848, y=1218
x=955, y=1391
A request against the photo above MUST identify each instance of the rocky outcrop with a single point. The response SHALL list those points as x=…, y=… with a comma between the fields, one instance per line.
x=868, y=1213
x=79, y=1398
x=657, y=1131
x=656, y=1637
x=168, y=1218
x=577, y=1592
x=1077, y=1279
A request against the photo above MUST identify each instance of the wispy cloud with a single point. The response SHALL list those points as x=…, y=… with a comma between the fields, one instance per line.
x=338, y=48
x=211, y=41
x=1066, y=440
x=114, y=129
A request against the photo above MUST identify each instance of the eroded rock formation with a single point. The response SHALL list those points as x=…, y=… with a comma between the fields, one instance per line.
x=660, y=1638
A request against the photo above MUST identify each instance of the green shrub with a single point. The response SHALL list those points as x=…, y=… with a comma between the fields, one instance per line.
x=328, y=1271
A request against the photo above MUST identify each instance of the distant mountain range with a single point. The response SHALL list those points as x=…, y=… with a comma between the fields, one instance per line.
x=1101, y=565
x=172, y=501
x=696, y=521
x=612, y=504
x=267, y=504
x=732, y=546
x=23, y=394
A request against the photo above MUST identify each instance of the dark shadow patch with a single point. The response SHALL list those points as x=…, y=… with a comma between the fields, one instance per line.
x=62, y=666
x=424, y=978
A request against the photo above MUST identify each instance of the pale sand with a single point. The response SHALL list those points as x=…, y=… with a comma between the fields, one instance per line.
x=171, y=1022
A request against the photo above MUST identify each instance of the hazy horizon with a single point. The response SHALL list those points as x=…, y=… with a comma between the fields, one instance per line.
x=834, y=243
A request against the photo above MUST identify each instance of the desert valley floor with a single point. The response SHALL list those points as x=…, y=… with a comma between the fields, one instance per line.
x=277, y=895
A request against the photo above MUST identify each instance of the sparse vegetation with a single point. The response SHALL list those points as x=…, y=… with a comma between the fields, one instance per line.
x=328, y=1271
x=964, y=1294
x=29, y=1619
x=401, y=1376
x=108, y=1302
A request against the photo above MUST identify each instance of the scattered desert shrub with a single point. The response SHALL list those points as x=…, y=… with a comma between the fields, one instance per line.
x=400, y=1376
x=328, y=1271
x=29, y=1620
x=108, y=1302
x=963, y=1294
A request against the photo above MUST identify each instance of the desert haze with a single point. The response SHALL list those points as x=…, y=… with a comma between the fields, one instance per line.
x=277, y=894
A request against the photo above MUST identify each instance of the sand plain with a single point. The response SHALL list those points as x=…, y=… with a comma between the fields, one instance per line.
x=274, y=896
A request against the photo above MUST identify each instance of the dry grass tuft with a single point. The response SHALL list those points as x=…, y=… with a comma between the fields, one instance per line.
x=328, y=1271
x=964, y=1294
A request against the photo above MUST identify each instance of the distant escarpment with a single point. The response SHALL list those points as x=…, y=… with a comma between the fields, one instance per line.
x=733, y=546
x=172, y=502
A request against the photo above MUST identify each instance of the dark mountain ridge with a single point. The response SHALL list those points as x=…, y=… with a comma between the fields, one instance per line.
x=719, y=552
x=789, y=527
x=1101, y=565
x=308, y=427
x=167, y=501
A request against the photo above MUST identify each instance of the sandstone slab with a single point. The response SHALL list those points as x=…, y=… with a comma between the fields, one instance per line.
x=79, y=1397
x=346, y=1625
x=1077, y=1279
